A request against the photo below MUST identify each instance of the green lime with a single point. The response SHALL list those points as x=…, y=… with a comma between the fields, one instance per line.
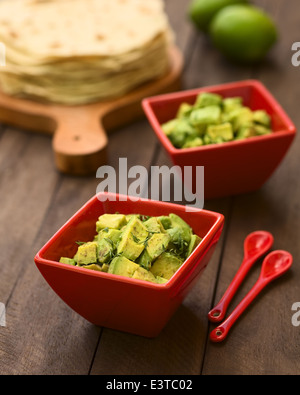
x=201, y=12
x=243, y=33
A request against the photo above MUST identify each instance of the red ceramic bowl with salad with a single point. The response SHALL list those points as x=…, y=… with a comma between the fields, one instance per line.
x=127, y=263
x=237, y=131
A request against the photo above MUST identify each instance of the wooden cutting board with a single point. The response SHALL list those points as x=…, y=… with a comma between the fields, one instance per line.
x=80, y=132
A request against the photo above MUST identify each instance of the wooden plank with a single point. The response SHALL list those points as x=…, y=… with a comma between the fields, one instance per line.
x=23, y=199
x=27, y=182
x=264, y=340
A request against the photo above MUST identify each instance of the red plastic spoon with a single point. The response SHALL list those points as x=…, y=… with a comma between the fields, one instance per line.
x=274, y=265
x=256, y=245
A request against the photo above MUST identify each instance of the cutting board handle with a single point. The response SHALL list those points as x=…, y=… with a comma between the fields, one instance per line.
x=80, y=141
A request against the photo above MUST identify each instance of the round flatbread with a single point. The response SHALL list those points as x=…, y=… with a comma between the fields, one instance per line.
x=79, y=51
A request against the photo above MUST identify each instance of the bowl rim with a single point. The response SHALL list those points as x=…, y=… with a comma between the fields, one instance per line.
x=150, y=114
x=199, y=250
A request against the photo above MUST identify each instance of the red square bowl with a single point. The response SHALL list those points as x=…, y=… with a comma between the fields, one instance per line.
x=235, y=167
x=116, y=302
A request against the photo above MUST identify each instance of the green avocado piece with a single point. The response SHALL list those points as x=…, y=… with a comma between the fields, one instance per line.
x=157, y=244
x=196, y=142
x=122, y=266
x=184, y=110
x=232, y=103
x=111, y=234
x=93, y=266
x=262, y=117
x=134, y=235
x=145, y=260
x=105, y=250
x=195, y=240
x=104, y=268
x=179, y=243
x=178, y=222
x=87, y=253
x=67, y=261
x=240, y=117
x=143, y=274
x=245, y=131
x=261, y=130
x=114, y=221
x=161, y=280
x=165, y=221
x=130, y=216
x=223, y=132
x=166, y=265
x=154, y=225
x=206, y=116
x=169, y=126
x=181, y=131
x=207, y=99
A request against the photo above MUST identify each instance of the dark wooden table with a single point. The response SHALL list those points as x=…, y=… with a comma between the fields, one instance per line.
x=42, y=335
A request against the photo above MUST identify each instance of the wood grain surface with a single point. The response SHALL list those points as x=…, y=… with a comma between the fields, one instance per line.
x=42, y=336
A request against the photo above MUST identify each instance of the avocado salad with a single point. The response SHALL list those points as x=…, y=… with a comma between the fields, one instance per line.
x=137, y=246
x=213, y=119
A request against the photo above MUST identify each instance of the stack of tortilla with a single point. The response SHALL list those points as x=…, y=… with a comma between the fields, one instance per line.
x=81, y=51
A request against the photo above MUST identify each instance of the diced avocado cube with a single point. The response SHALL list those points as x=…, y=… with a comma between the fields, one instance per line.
x=153, y=225
x=130, y=216
x=178, y=138
x=105, y=250
x=111, y=234
x=67, y=261
x=207, y=140
x=206, y=116
x=182, y=130
x=179, y=222
x=165, y=221
x=114, y=221
x=232, y=103
x=157, y=244
x=132, y=240
x=197, y=142
x=87, y=253
x=104, y=268
x=143, y=274
x=129, y=248
x=145, y=260
x=261, y=130
x=223, y=131
x=166, y=265
x=136, y=227
x=122, y=266
x=240, y=117
x=262, y=117
x=207, y=99
x=168, y=127
x=245, y=131
x=180, y=240
x=161, y=280
x=184, y=110
x=93, y=266
x=195, y=240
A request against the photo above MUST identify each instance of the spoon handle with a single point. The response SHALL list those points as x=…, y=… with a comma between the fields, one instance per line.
x=217, y=314
x=220, y=333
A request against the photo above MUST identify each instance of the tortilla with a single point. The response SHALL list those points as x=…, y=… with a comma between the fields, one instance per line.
x=80, y=51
